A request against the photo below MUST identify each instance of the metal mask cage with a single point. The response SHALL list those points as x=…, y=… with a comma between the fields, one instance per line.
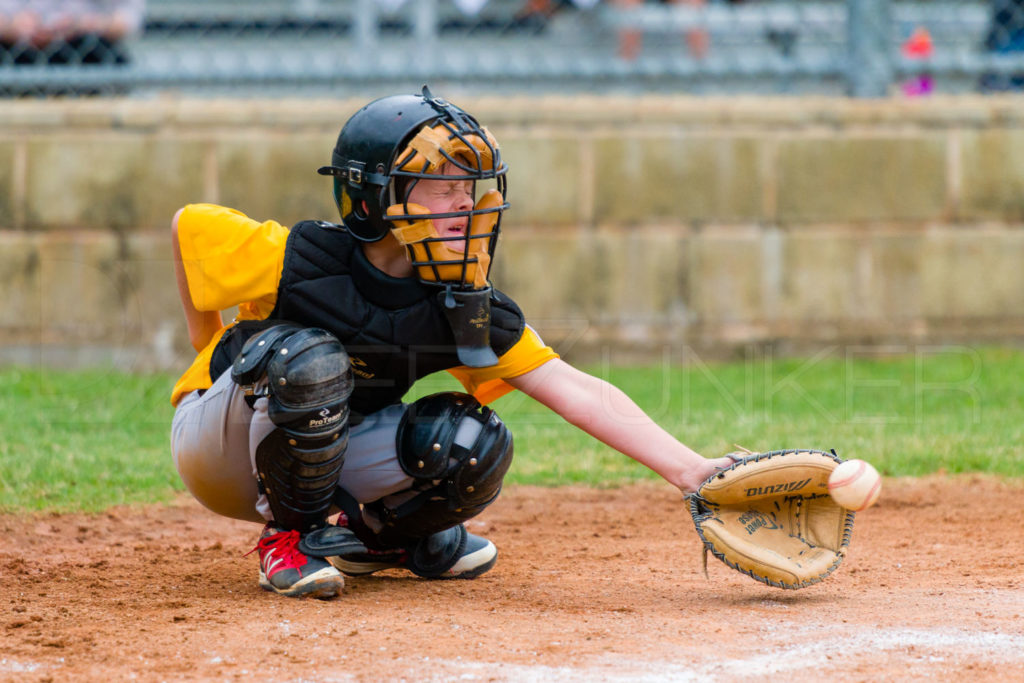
x=461, y=127
x=435, y=260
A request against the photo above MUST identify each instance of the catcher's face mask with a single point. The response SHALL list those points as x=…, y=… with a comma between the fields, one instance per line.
x=448, y=188
x=448, y=194
x=394, y=145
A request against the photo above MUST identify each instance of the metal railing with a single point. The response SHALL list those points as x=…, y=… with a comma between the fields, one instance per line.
x=337, y=47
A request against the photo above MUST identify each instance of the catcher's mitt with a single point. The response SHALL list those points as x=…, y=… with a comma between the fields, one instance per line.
x=770, y=517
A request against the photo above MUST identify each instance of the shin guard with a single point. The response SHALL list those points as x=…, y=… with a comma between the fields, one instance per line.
x=307, y=383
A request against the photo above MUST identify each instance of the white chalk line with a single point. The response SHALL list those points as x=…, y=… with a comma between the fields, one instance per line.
x=923, y=647
x=14, y=666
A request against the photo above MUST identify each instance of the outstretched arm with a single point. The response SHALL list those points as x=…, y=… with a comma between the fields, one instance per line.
x=606, y=413
x=202, y=325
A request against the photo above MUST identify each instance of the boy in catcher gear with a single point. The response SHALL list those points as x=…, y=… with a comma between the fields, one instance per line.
x=293, y=411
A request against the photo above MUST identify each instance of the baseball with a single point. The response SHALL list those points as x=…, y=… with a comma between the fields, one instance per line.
x=855, y=485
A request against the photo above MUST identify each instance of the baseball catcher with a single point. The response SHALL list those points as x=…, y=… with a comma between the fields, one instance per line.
x=770, y=516
x=292, y=412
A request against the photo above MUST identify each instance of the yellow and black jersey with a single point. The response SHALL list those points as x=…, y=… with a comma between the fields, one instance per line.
x=317, y=275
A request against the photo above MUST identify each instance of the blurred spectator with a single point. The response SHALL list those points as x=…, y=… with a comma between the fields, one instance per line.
x=534, y=15
x=919, y=47
x=631, y=40
x=1006, y=28
x=67, y=31
x=1005, y=35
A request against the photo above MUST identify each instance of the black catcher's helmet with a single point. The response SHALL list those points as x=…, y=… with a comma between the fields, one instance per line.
x=385, y=149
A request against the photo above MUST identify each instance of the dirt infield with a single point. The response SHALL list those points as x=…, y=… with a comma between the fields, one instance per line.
x=590, y=585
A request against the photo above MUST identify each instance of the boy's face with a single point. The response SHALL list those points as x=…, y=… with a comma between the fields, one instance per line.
x=446, y=196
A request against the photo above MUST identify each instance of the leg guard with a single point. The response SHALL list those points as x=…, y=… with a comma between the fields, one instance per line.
x=457, y=451
x=305, y=374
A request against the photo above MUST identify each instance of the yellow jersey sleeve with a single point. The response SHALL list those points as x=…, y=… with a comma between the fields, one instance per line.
x=229, y=258
x=198, y=374
x=488, y=384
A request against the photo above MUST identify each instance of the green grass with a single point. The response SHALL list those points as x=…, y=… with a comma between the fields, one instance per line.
x=88, y=440
x=956, y=409
x=83, y=440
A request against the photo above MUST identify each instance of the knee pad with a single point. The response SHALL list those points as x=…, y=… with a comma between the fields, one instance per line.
x=305, y=375
x=457, y=453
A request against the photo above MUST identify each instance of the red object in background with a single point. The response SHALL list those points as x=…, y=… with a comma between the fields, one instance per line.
x=919, y=45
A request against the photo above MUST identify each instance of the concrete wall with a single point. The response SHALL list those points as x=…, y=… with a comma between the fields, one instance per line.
x=637, y=224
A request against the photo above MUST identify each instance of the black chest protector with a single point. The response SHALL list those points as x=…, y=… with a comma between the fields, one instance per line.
x=393, y=329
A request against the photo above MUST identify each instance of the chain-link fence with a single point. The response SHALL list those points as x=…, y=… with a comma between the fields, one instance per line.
x=340, y=47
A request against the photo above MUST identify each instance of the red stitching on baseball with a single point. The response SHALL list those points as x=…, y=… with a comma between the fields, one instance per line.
x=871, y=493
x=861, y=465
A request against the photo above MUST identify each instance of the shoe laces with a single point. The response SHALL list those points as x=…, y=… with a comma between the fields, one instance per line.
x=280, y=551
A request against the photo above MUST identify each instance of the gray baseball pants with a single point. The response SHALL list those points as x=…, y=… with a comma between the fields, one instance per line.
x=214, y=435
